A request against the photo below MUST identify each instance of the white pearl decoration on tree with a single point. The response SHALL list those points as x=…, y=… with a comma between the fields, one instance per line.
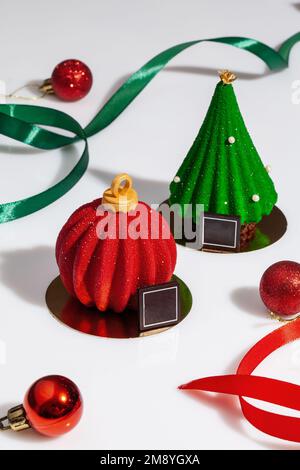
x=255, y=198
x=176, y=179
x=268, y=168
x=231, y=139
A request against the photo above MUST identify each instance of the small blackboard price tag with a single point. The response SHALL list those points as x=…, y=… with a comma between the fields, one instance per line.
x=159, y=306
x=220, y=232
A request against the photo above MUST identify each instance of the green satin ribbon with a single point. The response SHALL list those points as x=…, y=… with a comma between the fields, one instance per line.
x=22, y=122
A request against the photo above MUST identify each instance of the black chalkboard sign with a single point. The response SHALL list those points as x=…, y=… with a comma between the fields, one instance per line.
x=220, y=232
x=159, y=306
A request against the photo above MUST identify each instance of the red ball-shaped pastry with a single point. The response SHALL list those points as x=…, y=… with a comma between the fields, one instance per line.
x=280, y=288
x=71, y=80
x=53, y=405
x=105, y=253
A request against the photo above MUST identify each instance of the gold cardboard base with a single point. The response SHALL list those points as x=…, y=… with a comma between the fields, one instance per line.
x=72, y=313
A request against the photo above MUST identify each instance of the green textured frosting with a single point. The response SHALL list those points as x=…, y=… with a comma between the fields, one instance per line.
x=223, y=176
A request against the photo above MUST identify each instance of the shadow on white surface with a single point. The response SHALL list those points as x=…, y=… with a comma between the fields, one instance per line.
x=19, y=150
x=282, y=445
x=28, y=272
x=233, y=365
x=152, y=192
x=188, y=69
x=212, y=72
x=64, y=160
x=296, y=5
x=69, y=156
x=227, y=406
x=248, y=300
x=230, y=410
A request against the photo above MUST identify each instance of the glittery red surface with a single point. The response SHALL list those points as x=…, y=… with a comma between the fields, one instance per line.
x=71, y=80
x=53, y=405
x=107, y=273
x=280, y=288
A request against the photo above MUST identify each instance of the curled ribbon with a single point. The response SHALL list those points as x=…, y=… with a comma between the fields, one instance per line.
x=243, y=384
x=22, y=122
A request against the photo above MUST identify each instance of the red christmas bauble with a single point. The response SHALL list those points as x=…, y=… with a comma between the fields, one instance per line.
x=280, y=288
x=53, y=405
x=106, y=270
x=71, y=80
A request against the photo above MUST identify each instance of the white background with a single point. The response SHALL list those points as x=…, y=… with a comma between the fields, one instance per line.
x=130, y=386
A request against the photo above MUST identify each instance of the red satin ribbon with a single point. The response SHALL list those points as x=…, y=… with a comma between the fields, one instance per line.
x=243, y=384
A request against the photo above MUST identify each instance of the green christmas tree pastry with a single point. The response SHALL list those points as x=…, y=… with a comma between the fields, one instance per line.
x=223, y=170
